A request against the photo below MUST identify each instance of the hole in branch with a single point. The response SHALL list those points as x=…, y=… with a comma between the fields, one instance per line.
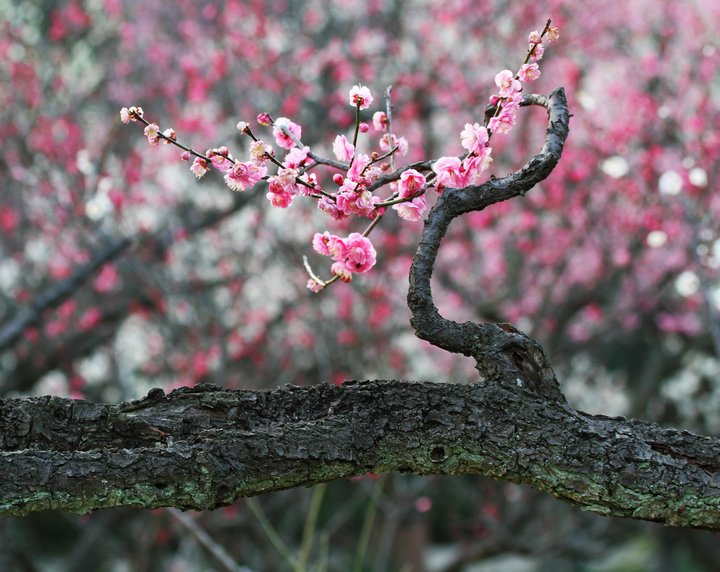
x=438, y=454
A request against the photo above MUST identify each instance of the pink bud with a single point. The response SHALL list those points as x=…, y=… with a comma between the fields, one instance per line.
x=338, y=179
x=364, y=127
x=185, y=156
x=264, y=119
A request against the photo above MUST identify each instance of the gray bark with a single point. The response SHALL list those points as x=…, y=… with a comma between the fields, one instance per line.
x=204, y=447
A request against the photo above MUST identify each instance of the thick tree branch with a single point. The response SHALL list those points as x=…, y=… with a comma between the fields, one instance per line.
x=204, y=447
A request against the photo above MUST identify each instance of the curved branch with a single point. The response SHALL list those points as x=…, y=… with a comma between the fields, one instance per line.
x=204, y=447
x=500, y=350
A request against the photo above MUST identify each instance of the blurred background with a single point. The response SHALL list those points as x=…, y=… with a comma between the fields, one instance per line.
x=119, y=272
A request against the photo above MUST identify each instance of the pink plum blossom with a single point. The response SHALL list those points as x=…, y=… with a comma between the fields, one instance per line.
x=152, y=132
x=244, y=175
x=502, y=123
x=389, y=141
x=359, y=203
x=284, y=130
x=278, y=195
x=286, y=177
x=296, y=157
x=538, y=51
x=330, y=208
x=357, y=170
x=505, y=120
x=282, y=188
x=264, y=119
x=403, y=146
x=411, y=210
x=311, y=180
x=506, y=82
x=474, y=137
x=475, y=165
x=380, y=121
x=450, y=172
x=339, y=269
x=359, y=255
x=221, y=162
x=411, y=182
x=354, y=254
x=259, y=151
x=199, y=167
x=360, y=97
x=329, y=245
x=220, y=158
x=343, y=149
x=454, y=173
x=529, y=72
x=170, y=135
x=131, y=114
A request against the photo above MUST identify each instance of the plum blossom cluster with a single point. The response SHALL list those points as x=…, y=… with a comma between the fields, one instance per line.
x=358, y=176
x=459, y=172
x=354, y=254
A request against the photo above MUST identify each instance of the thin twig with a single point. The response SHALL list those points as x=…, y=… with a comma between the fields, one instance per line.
x=217, y=551
x=270, y=532
x=310, y=524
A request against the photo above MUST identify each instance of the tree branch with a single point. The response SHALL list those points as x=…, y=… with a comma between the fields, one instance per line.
x=502, y=352
x=204, y=447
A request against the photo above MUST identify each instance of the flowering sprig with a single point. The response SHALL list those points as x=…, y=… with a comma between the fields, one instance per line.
x=358, y=175
x=460, y=172
x=506, y=102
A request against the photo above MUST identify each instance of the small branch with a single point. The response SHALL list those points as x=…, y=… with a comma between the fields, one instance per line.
x=388, y=114
x=218, y=552
x=271, y=533
x=357, y=129
x=383, y=180
x=317, y=158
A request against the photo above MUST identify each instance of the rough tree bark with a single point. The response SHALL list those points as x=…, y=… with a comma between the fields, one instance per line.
x=204, y=447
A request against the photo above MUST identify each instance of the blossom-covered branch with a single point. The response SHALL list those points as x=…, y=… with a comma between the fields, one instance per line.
x=358, y=175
